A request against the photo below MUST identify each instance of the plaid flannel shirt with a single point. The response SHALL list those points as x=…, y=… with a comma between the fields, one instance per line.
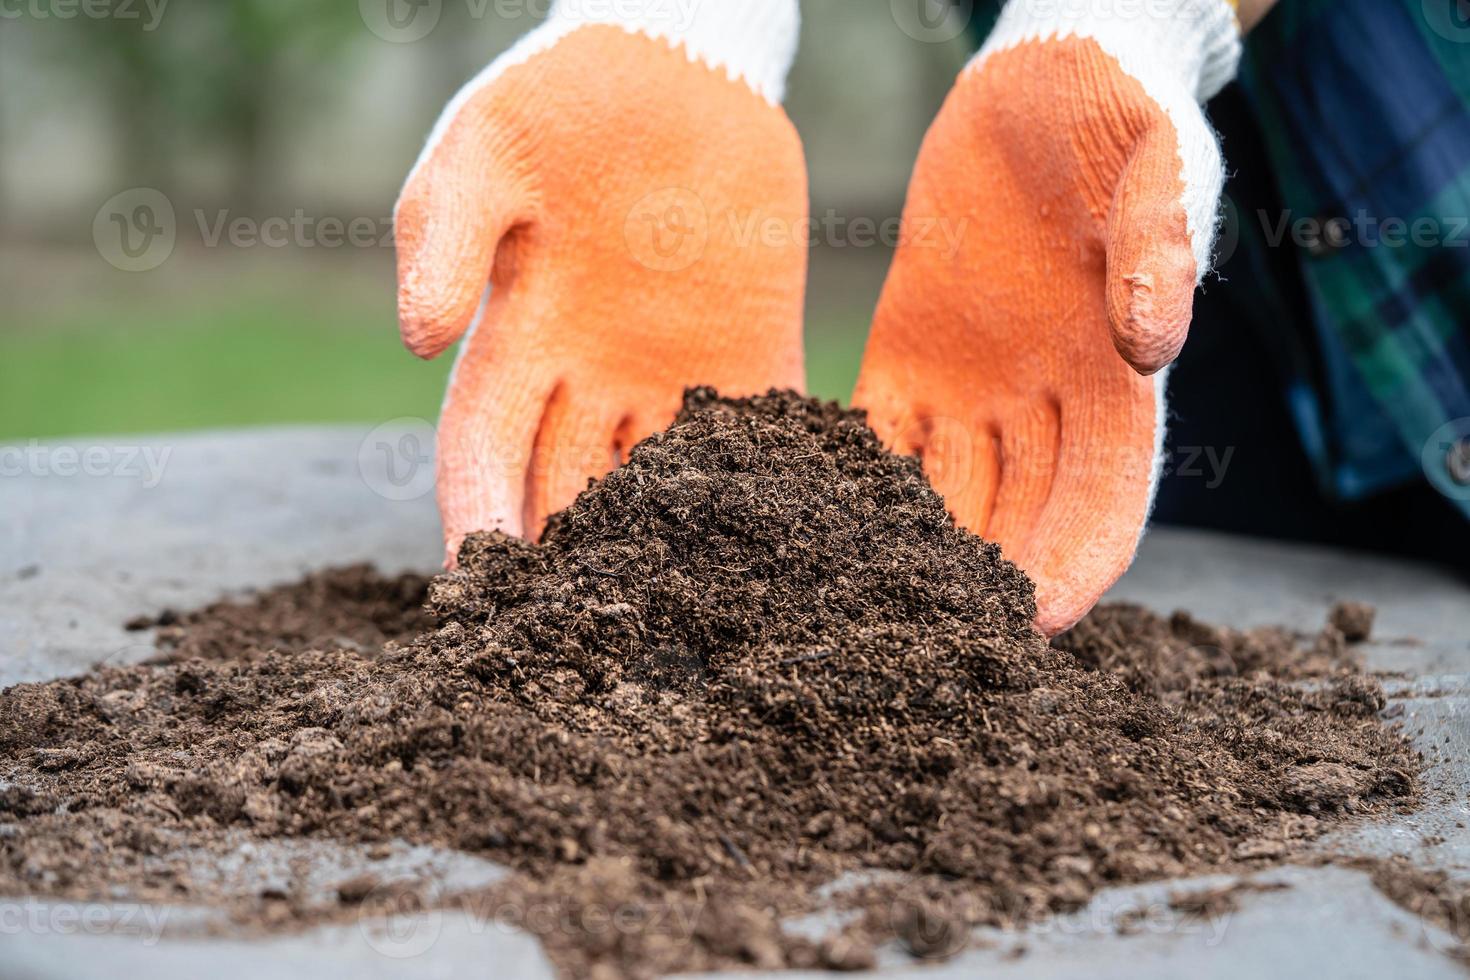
x=1364, y=106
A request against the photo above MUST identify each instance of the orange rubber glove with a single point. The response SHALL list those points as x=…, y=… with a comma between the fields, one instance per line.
x=595, y=210
x=1076, y=170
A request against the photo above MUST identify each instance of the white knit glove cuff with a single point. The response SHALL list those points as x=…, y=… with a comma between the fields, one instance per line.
x=752, y=40
x=1194, y=44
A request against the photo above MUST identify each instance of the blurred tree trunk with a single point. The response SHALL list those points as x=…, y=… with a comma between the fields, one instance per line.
x=135, y=94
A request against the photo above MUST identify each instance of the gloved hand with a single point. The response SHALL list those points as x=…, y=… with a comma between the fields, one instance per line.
x=1073, y=164
x=614, y=209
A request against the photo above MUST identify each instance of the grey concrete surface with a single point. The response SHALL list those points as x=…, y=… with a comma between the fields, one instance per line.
x=175, y=521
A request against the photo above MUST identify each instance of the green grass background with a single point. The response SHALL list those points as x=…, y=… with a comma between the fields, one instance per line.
x=224, y=360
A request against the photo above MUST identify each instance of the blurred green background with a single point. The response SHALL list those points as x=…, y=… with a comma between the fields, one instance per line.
x=272, y=108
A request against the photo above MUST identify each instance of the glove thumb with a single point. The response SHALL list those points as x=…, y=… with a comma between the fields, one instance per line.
x=458, y=204
x=1160, y=229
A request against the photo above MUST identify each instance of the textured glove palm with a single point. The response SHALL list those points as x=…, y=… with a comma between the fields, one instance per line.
x=581, y=212
x=1073, y=163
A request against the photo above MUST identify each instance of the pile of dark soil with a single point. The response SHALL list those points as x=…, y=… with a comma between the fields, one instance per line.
x=757, y=658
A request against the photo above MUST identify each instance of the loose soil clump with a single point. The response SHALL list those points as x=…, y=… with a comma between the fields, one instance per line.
x=754, y=673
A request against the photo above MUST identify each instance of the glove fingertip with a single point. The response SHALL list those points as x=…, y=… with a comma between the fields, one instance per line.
x=1149, y=314
x=452, y=545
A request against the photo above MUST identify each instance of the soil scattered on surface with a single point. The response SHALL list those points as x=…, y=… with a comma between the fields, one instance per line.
x=1434, y=896
x=1354, y=620
x=754, y=673
x=353, y=608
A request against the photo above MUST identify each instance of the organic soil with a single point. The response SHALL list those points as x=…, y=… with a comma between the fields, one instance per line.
x=756, y=660
x=1433, y=895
